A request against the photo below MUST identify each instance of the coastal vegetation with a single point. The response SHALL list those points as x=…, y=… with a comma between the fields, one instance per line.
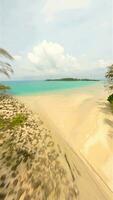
x=110, y=99
x=4, y=88
x=109, y=76
x=13, y=122
x=5, y=68
x=71, y=79
x=31, y=165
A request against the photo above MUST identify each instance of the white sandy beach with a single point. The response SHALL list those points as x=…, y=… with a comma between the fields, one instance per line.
x=82, y=118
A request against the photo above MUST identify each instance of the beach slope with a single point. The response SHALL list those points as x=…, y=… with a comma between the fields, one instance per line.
x=83, y=120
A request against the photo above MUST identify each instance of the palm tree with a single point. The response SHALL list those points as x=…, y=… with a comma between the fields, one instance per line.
x=109, y=76
x=5, y=67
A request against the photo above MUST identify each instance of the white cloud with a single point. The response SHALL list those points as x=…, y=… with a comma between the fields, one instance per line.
x=50, y=58
x=52, y=7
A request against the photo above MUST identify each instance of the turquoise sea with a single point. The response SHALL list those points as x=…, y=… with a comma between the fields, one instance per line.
x=34, y=87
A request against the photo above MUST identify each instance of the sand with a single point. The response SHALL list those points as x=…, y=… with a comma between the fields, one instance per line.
x=33, y=166
x=83, y=121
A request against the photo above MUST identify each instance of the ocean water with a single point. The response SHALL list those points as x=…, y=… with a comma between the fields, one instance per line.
x=36, y=87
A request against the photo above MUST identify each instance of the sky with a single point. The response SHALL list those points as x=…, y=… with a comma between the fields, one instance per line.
x=57, y=38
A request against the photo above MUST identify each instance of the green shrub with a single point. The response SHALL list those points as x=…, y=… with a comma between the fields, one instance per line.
x=4, y=88
x=2, y=123
x=19, y=119
x=110, y=99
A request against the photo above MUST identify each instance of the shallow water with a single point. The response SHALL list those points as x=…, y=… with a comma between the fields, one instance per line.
x=34, y=87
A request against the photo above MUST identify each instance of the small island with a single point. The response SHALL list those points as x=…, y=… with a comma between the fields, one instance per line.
x=72, y=79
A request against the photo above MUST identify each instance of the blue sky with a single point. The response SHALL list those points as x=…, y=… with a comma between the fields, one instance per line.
x=55, y=38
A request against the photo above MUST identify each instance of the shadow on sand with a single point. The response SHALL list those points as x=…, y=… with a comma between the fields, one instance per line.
x=106, y=109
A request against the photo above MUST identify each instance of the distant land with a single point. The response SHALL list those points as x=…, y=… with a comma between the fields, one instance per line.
x=71, y=79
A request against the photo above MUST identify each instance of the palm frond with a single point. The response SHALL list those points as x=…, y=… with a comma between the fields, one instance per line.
x=6, y=66
x=3, y=71
x=109, y=76
x=6, y=54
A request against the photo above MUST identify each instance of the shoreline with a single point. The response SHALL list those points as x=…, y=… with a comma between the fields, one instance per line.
x=37, y=163
x=40, y=88
x=64, y=90
x=61, y=113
